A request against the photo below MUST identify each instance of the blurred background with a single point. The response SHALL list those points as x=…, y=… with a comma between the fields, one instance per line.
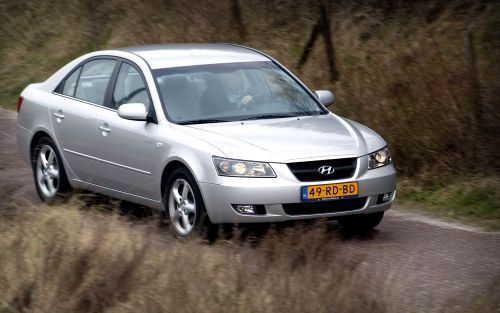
x=424, y=74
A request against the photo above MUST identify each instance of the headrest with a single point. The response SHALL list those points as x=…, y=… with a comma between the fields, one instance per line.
x=175, y=82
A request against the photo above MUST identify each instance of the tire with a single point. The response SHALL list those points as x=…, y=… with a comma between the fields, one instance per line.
x=51, y=182
x=362, y=222
x=184, y=205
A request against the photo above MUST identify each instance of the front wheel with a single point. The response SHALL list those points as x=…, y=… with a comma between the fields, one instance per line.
x=361, y=222
x=184, y=204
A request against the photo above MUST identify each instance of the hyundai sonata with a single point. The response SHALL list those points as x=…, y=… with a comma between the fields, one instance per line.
x=208, y=132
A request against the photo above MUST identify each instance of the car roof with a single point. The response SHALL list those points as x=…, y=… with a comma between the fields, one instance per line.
x=178, y=55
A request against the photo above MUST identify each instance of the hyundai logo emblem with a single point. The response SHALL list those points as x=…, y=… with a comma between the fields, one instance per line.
x=326, y=170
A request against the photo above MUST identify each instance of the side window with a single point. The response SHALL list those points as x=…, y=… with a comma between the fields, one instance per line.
x=130, y=87
x=94, y=80
x=70, y=83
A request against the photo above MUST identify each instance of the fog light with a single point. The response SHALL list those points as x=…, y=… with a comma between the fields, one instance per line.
x=249, y=209
x=385, y=197
x=244, y=208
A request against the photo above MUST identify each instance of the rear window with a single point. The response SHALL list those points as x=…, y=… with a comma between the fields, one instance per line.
x=93, y=81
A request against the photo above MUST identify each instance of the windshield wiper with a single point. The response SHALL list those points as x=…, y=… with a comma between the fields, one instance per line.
x=267, y=116
x=202, y=121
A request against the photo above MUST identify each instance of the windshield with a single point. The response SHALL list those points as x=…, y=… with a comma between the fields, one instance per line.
x=232, y=92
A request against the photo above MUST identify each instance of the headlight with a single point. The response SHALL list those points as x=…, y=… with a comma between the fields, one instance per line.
x=379, y=158
x=228, y=167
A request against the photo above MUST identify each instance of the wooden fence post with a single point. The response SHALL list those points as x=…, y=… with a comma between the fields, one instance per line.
x=322, y=26
x=475, y=89
x=309, y=45
x=237, y=19
x=325, y=26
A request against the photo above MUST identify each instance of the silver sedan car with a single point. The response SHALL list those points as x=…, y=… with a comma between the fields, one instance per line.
x=209, y=133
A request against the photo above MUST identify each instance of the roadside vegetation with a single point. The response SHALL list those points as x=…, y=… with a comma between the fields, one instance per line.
x=424, y=74
x=76, y=258
x=475, y=200
x=404, y=70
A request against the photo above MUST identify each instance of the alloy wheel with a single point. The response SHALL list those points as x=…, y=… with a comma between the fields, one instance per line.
x=47, y=171
x=182, y=206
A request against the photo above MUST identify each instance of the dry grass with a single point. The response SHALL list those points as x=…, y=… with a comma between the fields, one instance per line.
x=72, y=258
x=56, y=259
x=402, y=73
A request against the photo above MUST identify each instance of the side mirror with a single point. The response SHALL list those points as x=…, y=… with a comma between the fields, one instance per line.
x=326, y=97
x=133, y=111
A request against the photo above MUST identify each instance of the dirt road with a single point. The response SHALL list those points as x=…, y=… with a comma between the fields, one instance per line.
x=436, y=264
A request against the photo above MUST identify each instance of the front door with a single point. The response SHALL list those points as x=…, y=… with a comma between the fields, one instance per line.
x=128, y=146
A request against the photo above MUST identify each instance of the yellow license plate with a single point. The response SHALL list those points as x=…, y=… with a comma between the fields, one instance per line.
x=329, y=191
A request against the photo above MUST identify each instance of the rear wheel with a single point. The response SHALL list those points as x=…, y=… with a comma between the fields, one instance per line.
x=361, y=222
x=50, y=177
x=184, y=204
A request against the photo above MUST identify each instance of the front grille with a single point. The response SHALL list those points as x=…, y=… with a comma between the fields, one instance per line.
x=308, y=171
x=321, y=207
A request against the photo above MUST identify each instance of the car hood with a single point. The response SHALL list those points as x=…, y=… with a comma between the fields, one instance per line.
x=289, y=139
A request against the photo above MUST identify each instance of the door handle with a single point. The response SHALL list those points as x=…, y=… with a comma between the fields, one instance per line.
x=104, y=129
x=59, y=115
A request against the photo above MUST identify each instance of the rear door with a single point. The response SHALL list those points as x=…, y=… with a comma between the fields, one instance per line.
x=74, y=116
x=128, y=146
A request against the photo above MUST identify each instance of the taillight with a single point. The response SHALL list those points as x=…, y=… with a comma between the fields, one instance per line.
x=19, y=103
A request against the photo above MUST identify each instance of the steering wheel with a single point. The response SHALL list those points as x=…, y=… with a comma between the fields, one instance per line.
x=132, y=94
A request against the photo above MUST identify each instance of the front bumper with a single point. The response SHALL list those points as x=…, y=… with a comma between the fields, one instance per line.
x=285, y=188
